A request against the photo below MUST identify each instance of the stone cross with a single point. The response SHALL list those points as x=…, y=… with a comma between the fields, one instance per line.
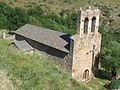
x=93, y=56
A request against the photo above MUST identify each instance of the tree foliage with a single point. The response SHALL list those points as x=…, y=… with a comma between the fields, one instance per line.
x=110, y=52
x=115, y=84
x=14, y=18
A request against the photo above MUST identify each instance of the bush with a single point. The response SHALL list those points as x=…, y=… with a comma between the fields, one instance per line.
x=14, y=18
x=115, y=84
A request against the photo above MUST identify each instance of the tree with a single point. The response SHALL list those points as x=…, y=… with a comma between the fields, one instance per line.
x=115, y=84
x=17, y=19
x=110, y=53
x=34, y=21
x=36, y=11
x=3, y=21
x=12, y=18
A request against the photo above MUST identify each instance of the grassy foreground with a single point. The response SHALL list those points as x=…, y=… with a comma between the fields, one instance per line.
x=33, y=72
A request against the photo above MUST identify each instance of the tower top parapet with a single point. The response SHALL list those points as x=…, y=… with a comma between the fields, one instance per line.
x=88, y=21
x=88, y=8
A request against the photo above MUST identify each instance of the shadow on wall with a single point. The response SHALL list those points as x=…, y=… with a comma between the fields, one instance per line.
x=67, y=38
x=98, y=72
x=103, y=74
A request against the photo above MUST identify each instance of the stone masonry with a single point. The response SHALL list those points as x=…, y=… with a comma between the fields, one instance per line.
x=80, y=60
x=86, y=44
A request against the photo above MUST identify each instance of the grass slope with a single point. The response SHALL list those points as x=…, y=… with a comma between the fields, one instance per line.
x=33, y=72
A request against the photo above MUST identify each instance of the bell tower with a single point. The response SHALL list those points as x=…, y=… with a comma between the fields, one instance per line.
x=87, y=21
x=86, y=44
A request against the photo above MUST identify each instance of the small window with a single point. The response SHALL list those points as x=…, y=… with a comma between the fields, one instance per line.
x=93, y=24
x=86, y=25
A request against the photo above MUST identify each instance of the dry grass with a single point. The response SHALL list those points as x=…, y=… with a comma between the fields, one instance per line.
x=61, y=4
x=5, y=82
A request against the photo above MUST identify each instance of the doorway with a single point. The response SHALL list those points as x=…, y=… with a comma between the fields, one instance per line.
x=86, y=74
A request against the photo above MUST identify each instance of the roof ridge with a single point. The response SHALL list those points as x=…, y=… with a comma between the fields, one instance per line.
x=45, y=28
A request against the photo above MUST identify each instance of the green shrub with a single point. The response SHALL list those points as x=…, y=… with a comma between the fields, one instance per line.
x=115, y=84
x=14, y=18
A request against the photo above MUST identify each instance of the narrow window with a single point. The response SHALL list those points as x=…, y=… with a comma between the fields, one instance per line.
x=86, y=25
x=93, y=55
x=93, y=24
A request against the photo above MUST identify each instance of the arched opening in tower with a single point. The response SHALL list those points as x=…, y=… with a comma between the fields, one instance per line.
x=93, y=24
x=86, y=21
x=86, y=74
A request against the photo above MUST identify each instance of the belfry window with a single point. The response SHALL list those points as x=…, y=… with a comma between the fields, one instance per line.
x=93, y=24
x=86, y=25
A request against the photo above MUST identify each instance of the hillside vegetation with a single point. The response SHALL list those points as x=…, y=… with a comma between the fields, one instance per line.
x=14, y=18
x=17, y=13
x=60, y=4
x=110, y=8
x=20, y=71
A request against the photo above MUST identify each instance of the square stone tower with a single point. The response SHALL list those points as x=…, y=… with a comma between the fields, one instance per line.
x=86, y=44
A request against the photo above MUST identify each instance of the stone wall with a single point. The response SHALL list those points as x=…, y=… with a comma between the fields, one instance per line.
x=6, y=35
x=82, y=55
x=86, y=44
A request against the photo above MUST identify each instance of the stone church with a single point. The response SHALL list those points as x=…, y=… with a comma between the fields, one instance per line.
x=76, y=54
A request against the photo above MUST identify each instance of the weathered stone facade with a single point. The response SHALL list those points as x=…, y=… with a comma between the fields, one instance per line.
x=86, y=44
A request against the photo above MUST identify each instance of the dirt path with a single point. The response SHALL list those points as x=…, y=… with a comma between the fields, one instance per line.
x=5, y=82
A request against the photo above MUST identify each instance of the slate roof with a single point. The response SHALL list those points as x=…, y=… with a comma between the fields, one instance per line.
x=54, y=39
x=23, y=46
